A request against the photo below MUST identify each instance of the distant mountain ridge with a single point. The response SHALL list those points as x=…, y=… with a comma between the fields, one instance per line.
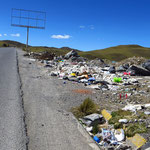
x=116, y=53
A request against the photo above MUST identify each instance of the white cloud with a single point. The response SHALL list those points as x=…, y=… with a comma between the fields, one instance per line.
x=81, y=27
x=16, y=35
x=60, y=36
x=0, y=34
x=92, y=27
x=5, y=34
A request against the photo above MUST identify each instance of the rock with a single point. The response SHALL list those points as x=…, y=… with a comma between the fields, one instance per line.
x=92, y=119
x=70, y=54
x=137, y=71
x=112, y=69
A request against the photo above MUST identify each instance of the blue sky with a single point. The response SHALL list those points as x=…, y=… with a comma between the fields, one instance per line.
x=81, y=24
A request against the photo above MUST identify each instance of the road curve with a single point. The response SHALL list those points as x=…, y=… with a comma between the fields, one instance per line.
x=12, y=128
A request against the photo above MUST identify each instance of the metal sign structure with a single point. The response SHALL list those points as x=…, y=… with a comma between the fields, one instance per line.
x=28, y=19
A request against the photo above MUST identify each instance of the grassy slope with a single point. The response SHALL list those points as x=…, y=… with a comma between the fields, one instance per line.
x=113, y=53
x=119, y=52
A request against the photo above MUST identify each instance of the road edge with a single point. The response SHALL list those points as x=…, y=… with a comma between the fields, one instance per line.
x=22, y=104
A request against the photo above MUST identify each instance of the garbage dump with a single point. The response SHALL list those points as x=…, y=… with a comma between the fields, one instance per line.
x=126, y=83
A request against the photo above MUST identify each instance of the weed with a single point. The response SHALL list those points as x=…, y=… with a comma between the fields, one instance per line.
x=132, y=129
x=86, y=108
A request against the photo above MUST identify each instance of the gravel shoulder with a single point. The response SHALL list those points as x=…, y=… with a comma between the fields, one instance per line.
x=47, y=101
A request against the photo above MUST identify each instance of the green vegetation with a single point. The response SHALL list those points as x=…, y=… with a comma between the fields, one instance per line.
x=132, y=129
x=86, y=108
x=116, y=53
x=95, y=129
x=118, y=125
x=120, y=114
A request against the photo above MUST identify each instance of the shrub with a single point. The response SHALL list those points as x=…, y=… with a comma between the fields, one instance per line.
x=118, y=125
x=95, y=129
x=86, y=108
x=5, y=45
x=132, y=129
x=120, y=114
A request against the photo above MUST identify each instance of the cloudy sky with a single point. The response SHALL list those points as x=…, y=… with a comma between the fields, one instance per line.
x=81, y=24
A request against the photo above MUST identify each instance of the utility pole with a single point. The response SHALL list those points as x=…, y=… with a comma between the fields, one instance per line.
x=27, y=40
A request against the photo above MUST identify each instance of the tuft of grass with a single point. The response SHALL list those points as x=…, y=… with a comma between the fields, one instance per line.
x=118, y=125
x=86, y=108
x=132, y=129
x=120, y=114
x=95, y=129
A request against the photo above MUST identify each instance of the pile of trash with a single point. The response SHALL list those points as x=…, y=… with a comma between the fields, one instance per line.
x=43, y=55
x=96, y=74
x=132, y=61
x=127, y=80
x=122, y=134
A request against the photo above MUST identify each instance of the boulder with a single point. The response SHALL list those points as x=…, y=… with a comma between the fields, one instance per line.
x=138, y=71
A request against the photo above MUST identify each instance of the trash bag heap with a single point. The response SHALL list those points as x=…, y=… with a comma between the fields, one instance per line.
x=128, y=83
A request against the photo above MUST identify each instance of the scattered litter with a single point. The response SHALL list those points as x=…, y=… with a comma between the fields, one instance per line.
x=137, y=140
x=92, y=119
x=96, y=139
x=120, y=84
x=106, y=114
x=119, y=135
x=82, y=91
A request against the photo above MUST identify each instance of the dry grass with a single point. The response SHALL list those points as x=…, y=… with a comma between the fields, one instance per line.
x=86, y=108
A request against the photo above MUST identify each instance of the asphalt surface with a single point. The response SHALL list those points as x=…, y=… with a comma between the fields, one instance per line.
x=50, y=125
x=12, y=128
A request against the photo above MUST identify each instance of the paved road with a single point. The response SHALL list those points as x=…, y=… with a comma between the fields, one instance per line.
x=12, y=132
x=49, y=125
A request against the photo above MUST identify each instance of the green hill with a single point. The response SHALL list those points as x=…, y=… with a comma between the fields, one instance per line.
x=116, y=53
x=119, y=52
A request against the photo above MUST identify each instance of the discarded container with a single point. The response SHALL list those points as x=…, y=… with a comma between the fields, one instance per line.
x=89, y=129
x=73, y=74
x=96, y=139
x=120, y=95
x=117, y=79
x=147, y=112
x=91, y=79
x=126, y=73
x=123, y=120
x=119, y=135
